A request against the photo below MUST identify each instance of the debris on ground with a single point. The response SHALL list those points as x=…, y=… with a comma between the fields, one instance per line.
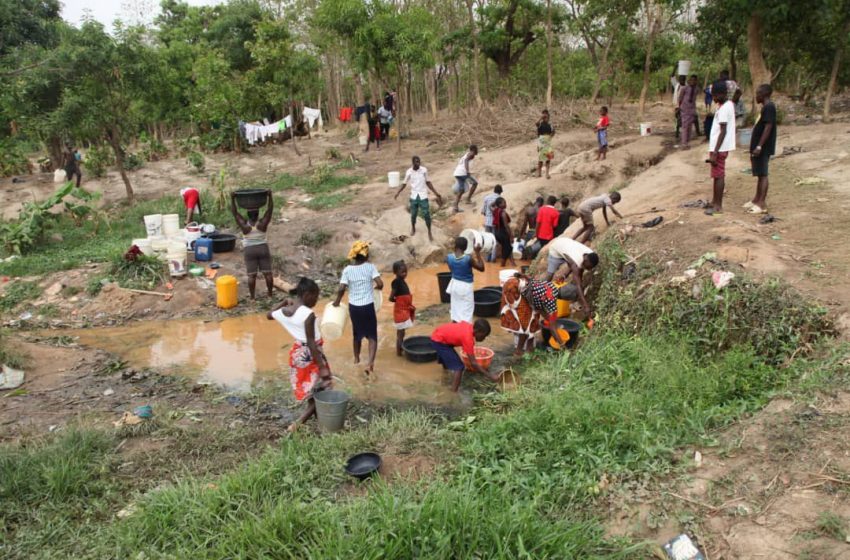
x=809, y=181
x=710, y=256
x=789, y=150
x=721, y=278
x=682, y=548
x=127, y=419
x=768, y=219
x=653, y=222
x=10, y=378
x=694, y=204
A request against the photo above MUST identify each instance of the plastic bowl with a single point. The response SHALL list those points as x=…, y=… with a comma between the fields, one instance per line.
x=483, y=355
x=251, y=199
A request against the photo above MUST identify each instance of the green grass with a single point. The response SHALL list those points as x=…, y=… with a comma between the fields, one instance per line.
x=18, y=292
x=832, y=525
x=10, y=356
x=327, y=201
x=314, y=238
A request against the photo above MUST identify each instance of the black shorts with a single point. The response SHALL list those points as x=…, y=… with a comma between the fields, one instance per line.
x=759, y=165
x=258, y=258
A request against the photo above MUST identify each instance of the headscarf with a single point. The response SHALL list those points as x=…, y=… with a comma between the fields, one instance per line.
x=359, y=248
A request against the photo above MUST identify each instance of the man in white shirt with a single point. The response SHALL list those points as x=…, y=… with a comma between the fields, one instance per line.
x=577, y=257
x=721, y=141
x=420, y=184
x=463, y=175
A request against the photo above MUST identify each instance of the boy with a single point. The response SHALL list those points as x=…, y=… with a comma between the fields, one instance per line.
x=602, y=133
x=590, y=205
x=579, y=258
x=762, y=146
x=564, y=217
x=446, y=337
x=547, y=221
x=385, y=117
x=720, y=143
x=462, y=175
x=487, y=212
x=420, y=184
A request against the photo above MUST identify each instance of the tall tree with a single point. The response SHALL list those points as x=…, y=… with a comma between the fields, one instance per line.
x=658, y=15
x=508, y=28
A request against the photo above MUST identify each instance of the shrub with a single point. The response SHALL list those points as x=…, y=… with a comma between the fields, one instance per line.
x=197, y=161
x=98, y=159
x=18, y=292
x=13, y=159
x=133, y=161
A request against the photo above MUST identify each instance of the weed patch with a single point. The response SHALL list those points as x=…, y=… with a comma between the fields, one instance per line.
x=17, y=293
x=327, y=201
x=316, y=238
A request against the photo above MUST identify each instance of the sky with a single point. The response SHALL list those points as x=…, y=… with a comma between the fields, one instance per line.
x=107, y=11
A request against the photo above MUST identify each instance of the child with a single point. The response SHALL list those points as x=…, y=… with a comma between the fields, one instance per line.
x=446, y=337
x=463, y=174
x=762, y=146
x=403, y=310
x=502, y=230
x=720, y=143
x=602, y=133
x=309, y=371
x=460, y=288
x=586, y=209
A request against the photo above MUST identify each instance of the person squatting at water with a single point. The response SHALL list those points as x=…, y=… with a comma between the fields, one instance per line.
x=309, y=371
x=358, y=278
x=446, y=337
x=530, y=305
x=255, y=246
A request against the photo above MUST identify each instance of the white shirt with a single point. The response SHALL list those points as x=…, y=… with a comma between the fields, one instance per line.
x=724, y=115
x=295, y=323
x=418, y=181
x=563, y=247
x=460, y=170
x=359, y=279
x=384, y=114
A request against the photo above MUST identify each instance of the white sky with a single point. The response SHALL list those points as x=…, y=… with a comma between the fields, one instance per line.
x=107, y=11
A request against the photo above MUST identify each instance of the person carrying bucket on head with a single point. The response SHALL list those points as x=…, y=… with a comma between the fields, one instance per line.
x=255, y=245
x=446, y=338
x=309, y=371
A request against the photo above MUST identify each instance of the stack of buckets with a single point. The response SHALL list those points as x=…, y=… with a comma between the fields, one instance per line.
x=166, y=241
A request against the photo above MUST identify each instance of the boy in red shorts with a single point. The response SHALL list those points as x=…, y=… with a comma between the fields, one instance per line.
x=721, y=142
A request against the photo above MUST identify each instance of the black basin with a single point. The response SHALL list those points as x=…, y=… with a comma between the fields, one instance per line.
x=251, y=199
x=223, y=242
x=418, y=349
x=443, y=279
x=494, y=289
x=363, y=465
x=572, y=327
x=488, y=303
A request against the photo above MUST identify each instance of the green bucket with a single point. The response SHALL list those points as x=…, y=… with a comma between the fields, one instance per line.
x=330, y=409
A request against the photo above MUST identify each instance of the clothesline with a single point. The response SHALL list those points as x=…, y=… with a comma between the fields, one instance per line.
x=254, y=132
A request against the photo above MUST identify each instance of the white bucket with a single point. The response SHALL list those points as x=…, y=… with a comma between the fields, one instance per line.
x=144, y=245
x=364, y=140
x=378, y=296
x=683, y=68
x=153, y=224
x=474, y=238
x=488, y=242
x=333, y=322
x=59, y=176
x=177, y=262
x=645, y=128
x=394, y=179
x=190, y=236
x=159, y=245
x=170, y=225
x=505, y=275
x=176, y=244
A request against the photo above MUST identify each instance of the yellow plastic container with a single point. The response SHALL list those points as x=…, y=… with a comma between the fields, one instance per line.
x=227, y=292
x=563, y=305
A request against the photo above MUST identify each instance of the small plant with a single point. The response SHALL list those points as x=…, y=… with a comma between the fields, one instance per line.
x=133, y=161
x=136, y=270
x=94, y=285
x=187, y=145
x=18, y=236
x=17, y=293
x=197, y=161
x=316, y=238
x=333, y=153
x=832, y=525
x=154, y=150
x=327, y=201
x=13, y=159
x=221, y=191
x=98, y=159
x=10, y=356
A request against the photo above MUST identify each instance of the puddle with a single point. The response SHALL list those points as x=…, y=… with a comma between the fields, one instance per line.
x=243, y=351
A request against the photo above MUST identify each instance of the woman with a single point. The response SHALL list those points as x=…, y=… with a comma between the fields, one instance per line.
x=309, y=371
x=688, y=111
x=545, y=152
x=358, y=278
x=530, y=305
x=460, y=289
x=255, y=245
x=502, y=230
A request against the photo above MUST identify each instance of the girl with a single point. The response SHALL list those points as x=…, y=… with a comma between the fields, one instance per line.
x=502, y=230
x=309, y=371
x=358, y=278
x=545, y=153
x=403, y=310
x=602, y=133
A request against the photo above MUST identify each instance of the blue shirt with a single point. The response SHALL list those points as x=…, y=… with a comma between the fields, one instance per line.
x=359, y=279
x=461, y=268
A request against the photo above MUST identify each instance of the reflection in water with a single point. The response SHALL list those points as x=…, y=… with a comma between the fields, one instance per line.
x=235, y=353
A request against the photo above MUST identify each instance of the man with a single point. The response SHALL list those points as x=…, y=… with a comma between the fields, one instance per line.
x=688, y=111
x=528, y=220
x=589, y=206
x=385, y=117
x=721, y=142
x=420, y=184
x=463, y=175
x=577, y=258
x=762, y=146
x=564, y=217
x=192, y=201
x=71, y=164
x=487, y=212
x=677, y=93
x=447, y=337
x=547, y=221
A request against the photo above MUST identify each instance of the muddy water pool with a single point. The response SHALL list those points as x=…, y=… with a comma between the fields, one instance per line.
x=241, y=352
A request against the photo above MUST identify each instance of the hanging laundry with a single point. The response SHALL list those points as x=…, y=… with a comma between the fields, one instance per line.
x=312, y=115
x=345, y=113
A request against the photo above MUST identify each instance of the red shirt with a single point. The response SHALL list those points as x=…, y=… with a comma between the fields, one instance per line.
x=604, y=122
x=547, y=221
x=456, y=334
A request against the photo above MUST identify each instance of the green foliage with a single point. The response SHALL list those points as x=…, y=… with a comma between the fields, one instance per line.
x=8, y=355
x=19, y=236
x=98, y=159
x=153, y=149
x=133, y=161
x=28, y=22
x=17, y=293
x=142, y=272
x=197, y=161
x=832, y=525
x=13, y=159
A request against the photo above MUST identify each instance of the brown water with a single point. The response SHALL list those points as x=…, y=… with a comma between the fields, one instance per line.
x=240, y=352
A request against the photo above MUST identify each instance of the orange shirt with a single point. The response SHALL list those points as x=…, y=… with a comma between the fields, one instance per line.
x=547, y=221
x=456, y=334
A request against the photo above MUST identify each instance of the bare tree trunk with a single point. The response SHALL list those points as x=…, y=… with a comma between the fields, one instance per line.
x=653, y=23
x=373, y=88
x=733, y=64
x=114, y=139
x=755, y=54
x=601, y=72
x=548, y=53
x=333, y=100
x=476, y=87
x=294, y=127
x=836, y=63
x=431, y=91
x=358, y=90
x=398, y=109
x=54, y=150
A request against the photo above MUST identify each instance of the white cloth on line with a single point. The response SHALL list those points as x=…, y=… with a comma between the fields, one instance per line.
x=462, y=296
x=311, y=116
x=259, y=132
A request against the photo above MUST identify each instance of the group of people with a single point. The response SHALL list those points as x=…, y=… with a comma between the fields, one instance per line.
x=376, y=119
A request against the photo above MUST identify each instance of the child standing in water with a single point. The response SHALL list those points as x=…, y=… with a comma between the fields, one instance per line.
x=403, y=310
x=309, y=371
x=602, y=133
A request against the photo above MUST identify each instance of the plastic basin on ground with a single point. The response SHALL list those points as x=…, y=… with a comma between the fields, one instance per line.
x=488, y=303
x=419, y=349
x=483, y=355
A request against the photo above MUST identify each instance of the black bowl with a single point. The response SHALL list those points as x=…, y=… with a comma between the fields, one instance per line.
x=363, y=465
x=419, y=349
x=223, y=242
x=488, y=303
x=251, y=199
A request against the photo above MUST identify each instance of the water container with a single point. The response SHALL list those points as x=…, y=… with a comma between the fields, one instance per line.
x=378, y=296
x=505, y=275
x=744, y=137
x=394, y=179
x=159, y=245
x=144, y=245
x=563, y=305
x=177, y=262
x=176, y=245
x=473, y=238
x=683, y=68
x=443, y=279
x=517, y=248
x=333, y=322
x=189, y=237
x=363, y=140
x=645, y=128
x=226, y=291
x=203, y=249
x=59, y=176
x=153, y=224
x=488, y=241
x=170, y=225
x=330, y=409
